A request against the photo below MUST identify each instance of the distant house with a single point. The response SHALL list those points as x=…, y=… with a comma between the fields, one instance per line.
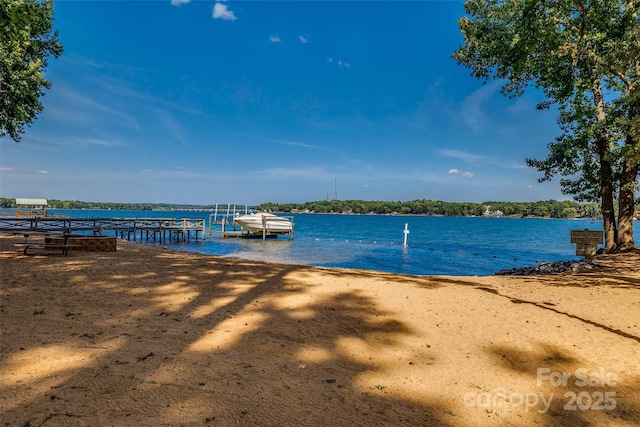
x=488, y=212
x=31, y=208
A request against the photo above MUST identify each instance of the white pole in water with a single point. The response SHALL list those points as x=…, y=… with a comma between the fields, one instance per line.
x=406, y=232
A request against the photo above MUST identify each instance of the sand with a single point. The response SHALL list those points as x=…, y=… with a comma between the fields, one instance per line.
x=148, y=336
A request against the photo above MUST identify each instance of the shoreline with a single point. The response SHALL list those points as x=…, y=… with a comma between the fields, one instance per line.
x=151, y=335
x=484, y=246
x=408, y=215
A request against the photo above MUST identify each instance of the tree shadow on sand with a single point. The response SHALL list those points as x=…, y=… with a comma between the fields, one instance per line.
x=567, y=391
x=587, y=397
x=197, y=340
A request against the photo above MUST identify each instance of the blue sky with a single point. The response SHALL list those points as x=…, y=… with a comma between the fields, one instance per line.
x=254, y=101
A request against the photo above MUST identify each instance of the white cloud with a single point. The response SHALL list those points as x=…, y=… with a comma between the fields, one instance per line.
x=179, y=2
x=220, y=11
x=472, y=110
x=79, y=141
x=74, y=141
x=303, y=39
x=462, y=155
x=6, y=168
x=274, y=39
x=339, y=62
x=463, y=174
x=75, y=106
x=309, y=172
x=278, y=141
x=292, y=143
x=43, y=172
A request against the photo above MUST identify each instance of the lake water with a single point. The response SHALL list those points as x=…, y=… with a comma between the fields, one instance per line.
x=436, y=245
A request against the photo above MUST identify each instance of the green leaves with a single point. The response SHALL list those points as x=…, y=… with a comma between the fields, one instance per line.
x=585, y=56
x=26, y=41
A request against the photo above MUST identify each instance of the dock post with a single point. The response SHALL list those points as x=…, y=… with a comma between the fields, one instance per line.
x=264, y=228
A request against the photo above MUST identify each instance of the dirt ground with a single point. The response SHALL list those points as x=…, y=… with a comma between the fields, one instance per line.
x=148, y=336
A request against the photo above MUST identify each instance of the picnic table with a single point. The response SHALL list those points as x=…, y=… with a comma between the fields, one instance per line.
x=43, y=244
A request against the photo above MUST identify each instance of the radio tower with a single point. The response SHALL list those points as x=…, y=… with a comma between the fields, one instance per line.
x=335, y=189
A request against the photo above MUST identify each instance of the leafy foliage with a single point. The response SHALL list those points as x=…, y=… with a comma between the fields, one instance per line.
x=547, y=209
x=26, y=41
x=585, y=56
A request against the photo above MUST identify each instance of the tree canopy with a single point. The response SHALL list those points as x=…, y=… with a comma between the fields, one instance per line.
x=585, y=56
x=26, y=41
x=546, y=208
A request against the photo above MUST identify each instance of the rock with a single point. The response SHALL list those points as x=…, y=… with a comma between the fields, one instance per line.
x=550, y=268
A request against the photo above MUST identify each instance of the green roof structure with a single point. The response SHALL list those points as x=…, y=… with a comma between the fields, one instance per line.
x=32, y=208
x=31, y=202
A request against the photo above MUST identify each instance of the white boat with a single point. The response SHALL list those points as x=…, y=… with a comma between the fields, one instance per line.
x=260, y=221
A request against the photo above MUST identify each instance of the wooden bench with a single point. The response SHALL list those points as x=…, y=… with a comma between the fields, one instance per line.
x=64, y=247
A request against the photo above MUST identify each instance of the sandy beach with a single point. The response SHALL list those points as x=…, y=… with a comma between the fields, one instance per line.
x=148, y=336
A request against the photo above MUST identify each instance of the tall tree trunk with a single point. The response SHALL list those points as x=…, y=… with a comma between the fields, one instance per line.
x=607, y=209
x=626, y=207
x=628, y=183
x=606, y=171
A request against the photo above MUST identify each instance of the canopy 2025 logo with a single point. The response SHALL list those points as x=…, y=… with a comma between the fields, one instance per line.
x=591, y=395
x=585, y=400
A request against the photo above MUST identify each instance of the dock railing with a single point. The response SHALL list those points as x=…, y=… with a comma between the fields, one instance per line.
x=147, y=229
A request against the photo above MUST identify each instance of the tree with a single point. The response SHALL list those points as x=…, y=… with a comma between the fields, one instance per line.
x=574, y=154
x=576, y=51
x=26, y=41
x=623, y=62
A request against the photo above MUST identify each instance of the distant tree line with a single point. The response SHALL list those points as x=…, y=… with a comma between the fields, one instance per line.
x=75, y=204
x=545, y=209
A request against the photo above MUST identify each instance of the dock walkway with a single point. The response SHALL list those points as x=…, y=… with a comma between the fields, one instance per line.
x=143, y=229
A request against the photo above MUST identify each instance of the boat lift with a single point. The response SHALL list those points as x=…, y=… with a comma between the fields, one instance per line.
x=224, y=217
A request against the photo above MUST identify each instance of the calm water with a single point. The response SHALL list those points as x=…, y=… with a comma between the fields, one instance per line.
x=436, y=245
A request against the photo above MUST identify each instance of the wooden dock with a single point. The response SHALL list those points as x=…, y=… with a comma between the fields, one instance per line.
x=157, y=230
x=135, y=229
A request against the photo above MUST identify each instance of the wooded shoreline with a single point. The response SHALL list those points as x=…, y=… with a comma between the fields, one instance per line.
x=540, y=209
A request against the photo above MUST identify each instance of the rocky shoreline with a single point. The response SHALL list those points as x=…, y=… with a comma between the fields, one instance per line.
x=550, y=268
